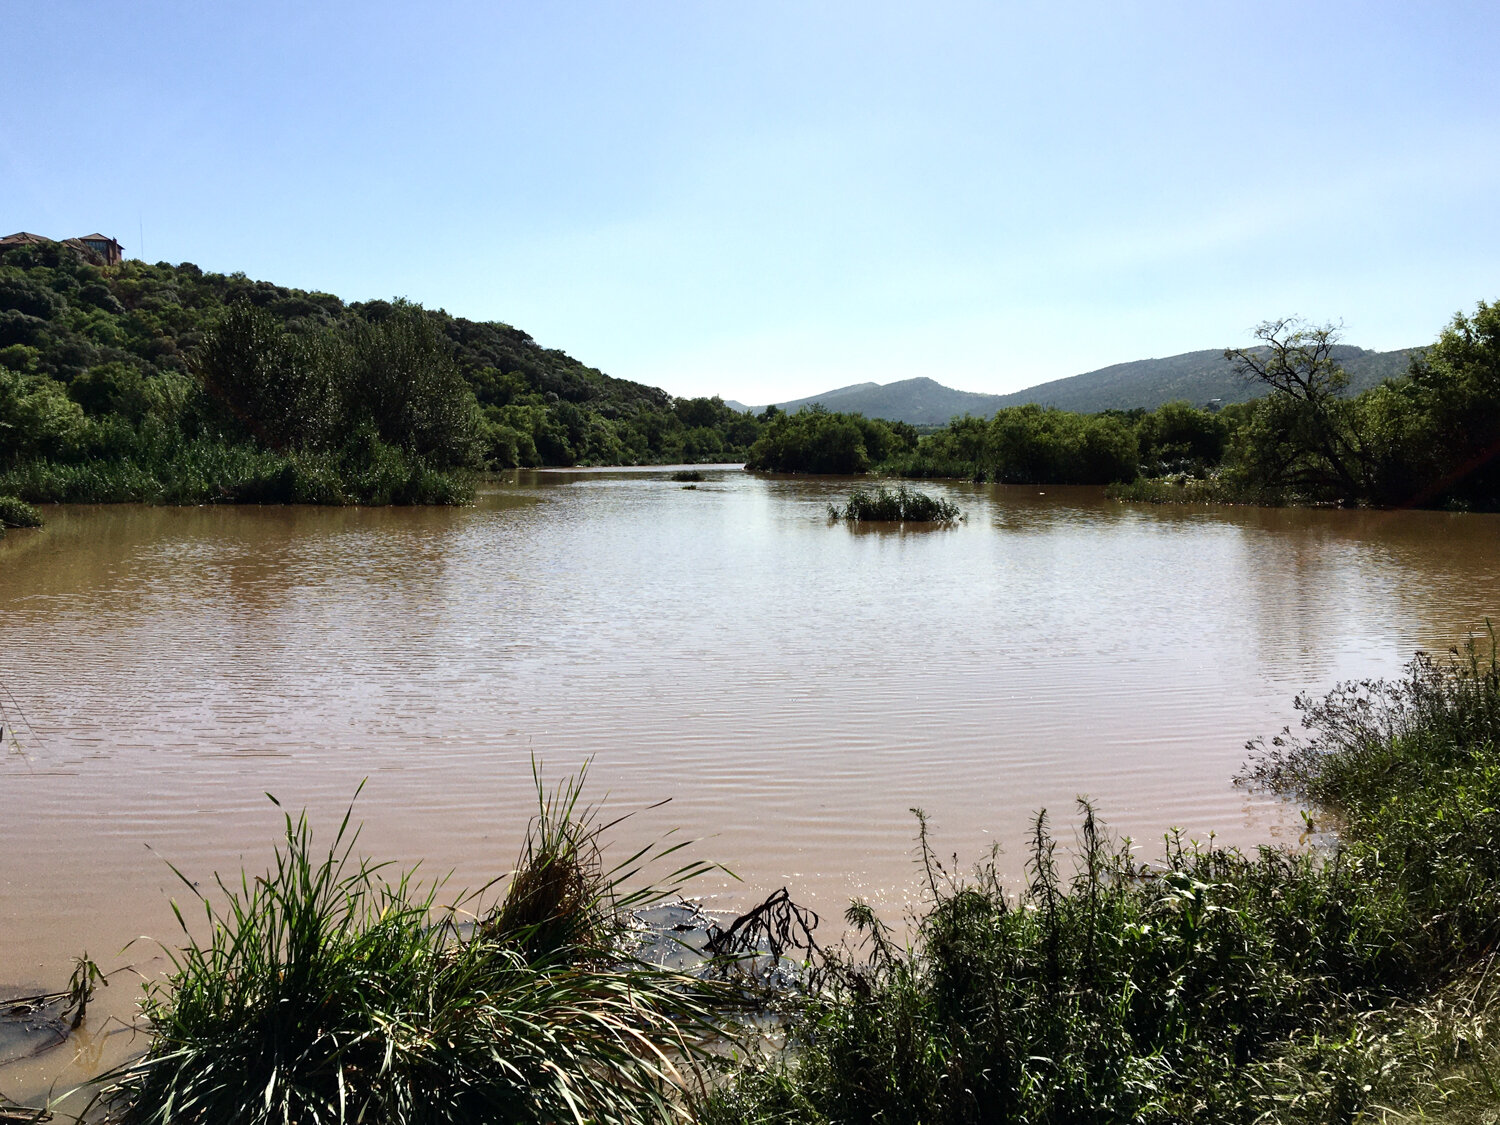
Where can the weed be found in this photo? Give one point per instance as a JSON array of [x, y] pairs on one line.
[[17, 513]]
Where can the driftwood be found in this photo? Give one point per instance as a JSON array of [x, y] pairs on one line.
[[771, 929]]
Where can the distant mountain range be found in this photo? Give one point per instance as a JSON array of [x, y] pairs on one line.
[[1195, 377]]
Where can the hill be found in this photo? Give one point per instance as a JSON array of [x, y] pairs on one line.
[[1196, 377], [104, 378]]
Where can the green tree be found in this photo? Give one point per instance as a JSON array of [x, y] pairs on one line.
[[1177, 437], [1445, 418], [399, 375], [270, 386], [37, 419], [1304, 436]]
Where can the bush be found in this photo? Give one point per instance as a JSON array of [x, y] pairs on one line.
[[893, 505], [816, 441], [17, 513]]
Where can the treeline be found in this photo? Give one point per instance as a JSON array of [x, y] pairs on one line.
[[1018, 445], [1430, 438], [172, 384]]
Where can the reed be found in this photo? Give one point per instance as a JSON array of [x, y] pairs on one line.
[[214, 472], [333, 989], [900, 504]]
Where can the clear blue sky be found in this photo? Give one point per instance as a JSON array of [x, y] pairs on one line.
[[767, 200]]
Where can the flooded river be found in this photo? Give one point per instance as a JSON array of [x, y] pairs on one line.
[[793, 686]]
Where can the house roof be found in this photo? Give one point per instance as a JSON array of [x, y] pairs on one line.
[[22, 237], [95, 238]]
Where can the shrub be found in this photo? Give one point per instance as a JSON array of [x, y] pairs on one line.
[[18, 513], [893, 505]]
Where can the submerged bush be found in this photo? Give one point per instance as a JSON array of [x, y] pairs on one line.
[[327, 990], [17, 513], [899, 504]]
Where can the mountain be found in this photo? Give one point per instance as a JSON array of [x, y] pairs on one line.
[[1195, 377]]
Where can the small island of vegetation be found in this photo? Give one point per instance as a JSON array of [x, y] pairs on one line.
[[895, 505]]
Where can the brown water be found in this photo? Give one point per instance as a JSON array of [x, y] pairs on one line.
[[794, 686]]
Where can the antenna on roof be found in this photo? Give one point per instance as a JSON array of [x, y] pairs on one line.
[[140, 226]]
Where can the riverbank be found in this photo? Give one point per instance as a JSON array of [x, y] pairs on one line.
[[1209, 984], [1205, 984]]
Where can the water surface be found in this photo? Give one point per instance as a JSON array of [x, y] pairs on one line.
[[794, 686]]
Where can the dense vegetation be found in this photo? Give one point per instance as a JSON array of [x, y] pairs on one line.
[[1211, 985], [814, 440], [171, 384], [1430, 438]]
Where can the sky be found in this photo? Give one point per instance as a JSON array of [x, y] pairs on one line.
[[769, 200]]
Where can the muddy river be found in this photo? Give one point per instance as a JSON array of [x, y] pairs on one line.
[[793, 686]]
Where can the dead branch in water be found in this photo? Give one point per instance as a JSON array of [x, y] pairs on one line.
[[770, 929]]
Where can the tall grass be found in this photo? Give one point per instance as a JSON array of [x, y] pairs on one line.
[[895, 505], [1214, 985], [331, 989], [213, 472]]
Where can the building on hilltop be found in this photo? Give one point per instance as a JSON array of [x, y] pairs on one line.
[[97, 248]]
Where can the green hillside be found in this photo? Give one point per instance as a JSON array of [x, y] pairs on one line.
[[1195, 377], [174, 384]]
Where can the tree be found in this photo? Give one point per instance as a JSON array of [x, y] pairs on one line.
[[1304, 436], [1453, 418]]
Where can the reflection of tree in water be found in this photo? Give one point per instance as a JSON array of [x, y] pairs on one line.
[[1323, 581]]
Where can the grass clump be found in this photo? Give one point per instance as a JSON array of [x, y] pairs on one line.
[[1180, 488], [1215, 985], [329, 991], [15, 512], [687, 475], [900, 504]]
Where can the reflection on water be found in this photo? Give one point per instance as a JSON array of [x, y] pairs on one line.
[[795, 686]]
